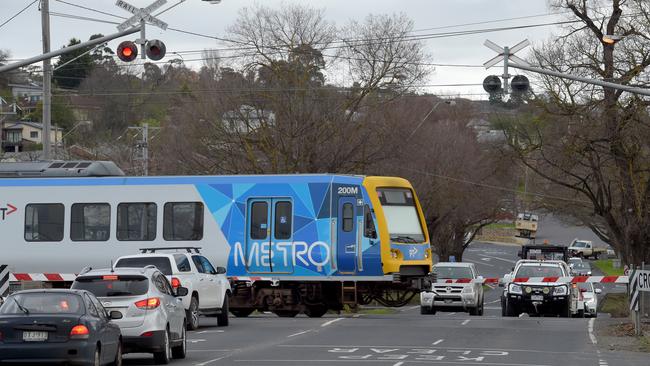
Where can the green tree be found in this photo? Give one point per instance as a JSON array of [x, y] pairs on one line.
[[73, 67]]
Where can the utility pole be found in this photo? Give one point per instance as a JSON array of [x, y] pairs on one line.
[[47, 79], [143, 144]]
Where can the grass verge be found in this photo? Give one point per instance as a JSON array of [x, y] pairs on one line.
[[607, 266], [616, 305]]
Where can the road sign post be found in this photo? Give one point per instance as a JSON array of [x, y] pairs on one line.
[[505, 54], [639, 282], [4, 280]]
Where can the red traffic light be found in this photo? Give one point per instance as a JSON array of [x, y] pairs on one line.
[[127, 51], [155, 49]]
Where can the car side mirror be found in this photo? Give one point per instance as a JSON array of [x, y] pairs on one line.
[[599, 291], [221, 270], [181, 291], [115, 315]]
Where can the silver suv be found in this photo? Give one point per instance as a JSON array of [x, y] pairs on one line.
[[207, 285], [464, 293], [153, 317]]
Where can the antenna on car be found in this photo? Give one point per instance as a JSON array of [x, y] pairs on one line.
[[86, 270], [112, 269]]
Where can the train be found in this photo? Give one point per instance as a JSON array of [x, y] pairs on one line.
[[291, 243]]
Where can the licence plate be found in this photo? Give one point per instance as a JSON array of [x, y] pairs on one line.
[[34, 336], [448, 301], [537, 298]]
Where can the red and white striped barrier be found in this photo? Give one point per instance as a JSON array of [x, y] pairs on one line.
[[44, 277], [573, 279]]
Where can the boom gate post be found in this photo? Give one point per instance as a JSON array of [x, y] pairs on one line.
[[4, 280]]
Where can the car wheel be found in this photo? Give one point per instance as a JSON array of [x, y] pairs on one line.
[[424, 310], [510, 309], [118, 355], [97, 357], [180, 351], [473, 311], [481, 309], [316, 311], [164, 356], [222, 319], [192, 314], [242, 313], [432, 310]]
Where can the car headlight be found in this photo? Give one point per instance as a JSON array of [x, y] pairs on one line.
[[546, 290], [528, 289], [560, 290], [515, 289]]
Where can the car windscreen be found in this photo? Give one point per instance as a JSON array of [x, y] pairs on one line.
[[43, 303], [453, 273], [581, 265], [162, 263], [579, 244], [113, 285], [538, 271]]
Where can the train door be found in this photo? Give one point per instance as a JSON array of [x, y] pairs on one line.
[[346, 243], [269, 236]]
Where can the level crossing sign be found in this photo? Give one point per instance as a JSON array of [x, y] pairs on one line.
[[4, 279], [141, 14], [639, 282]]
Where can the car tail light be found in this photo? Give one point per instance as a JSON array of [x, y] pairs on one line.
[[0, 336], [176, 283], [79, 332], [147, 334], [110, 278], [148, 304]]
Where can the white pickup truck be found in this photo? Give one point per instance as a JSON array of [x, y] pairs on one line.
[[586, 249], [464, 296]]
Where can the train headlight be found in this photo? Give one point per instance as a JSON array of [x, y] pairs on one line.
[[395, 253], [427, 254]]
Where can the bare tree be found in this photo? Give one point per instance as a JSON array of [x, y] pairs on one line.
[[591, 143]]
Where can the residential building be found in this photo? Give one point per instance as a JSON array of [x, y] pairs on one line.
[[20, 135]]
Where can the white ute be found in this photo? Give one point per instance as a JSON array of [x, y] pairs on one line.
[[208, 287], [454, 296]]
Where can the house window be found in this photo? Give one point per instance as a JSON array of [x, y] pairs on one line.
[[33, 134]]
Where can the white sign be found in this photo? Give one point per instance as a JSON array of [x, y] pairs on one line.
[[643, 281], [141, 14]]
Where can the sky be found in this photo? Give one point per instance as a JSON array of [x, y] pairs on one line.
[[22, 35]]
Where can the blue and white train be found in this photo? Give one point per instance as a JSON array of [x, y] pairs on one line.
[[291, 243]]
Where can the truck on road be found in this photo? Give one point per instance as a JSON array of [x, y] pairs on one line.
[[526, 225], [586, 249]]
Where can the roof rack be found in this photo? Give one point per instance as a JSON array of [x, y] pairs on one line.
[[188, 249]]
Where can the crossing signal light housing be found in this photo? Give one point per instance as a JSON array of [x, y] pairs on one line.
[[520, 84], [127, 51], [155, 49], [492, 84]]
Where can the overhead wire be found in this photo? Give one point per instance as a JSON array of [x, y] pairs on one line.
[[18, 13]]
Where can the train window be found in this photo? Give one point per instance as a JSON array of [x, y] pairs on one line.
[[136, 221], [283, 218], [369, 223], [183, 221], [259, 220], [44, 222], [348, 217], [90, 222]]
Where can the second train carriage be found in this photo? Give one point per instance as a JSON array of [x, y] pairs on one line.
[[291, 243]]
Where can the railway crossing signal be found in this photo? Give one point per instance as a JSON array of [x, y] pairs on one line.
[[492, 84], [154, 49]]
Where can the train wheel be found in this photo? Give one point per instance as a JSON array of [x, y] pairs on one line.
[[286, 313], [316, 311]]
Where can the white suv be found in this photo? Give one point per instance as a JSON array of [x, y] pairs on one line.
[[463, 295], [208, 288]]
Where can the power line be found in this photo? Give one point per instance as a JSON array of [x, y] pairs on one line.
[[18, 13]]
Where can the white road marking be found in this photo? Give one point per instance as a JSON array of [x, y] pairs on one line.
[[412, 361], [196, 340], [497, 258], [479, 262], [331, 321], [210, 331], [437, 342], [299, 333], [356, 315], [452, 313], [399, 363], [449, 348], [465, 322], [591, 331], [211, 361]]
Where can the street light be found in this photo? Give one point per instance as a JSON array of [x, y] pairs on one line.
[[612, 38]]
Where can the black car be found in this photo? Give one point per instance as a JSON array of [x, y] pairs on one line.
[[58, 326]]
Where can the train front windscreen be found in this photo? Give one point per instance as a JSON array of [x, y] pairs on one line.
[[401, 214]]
